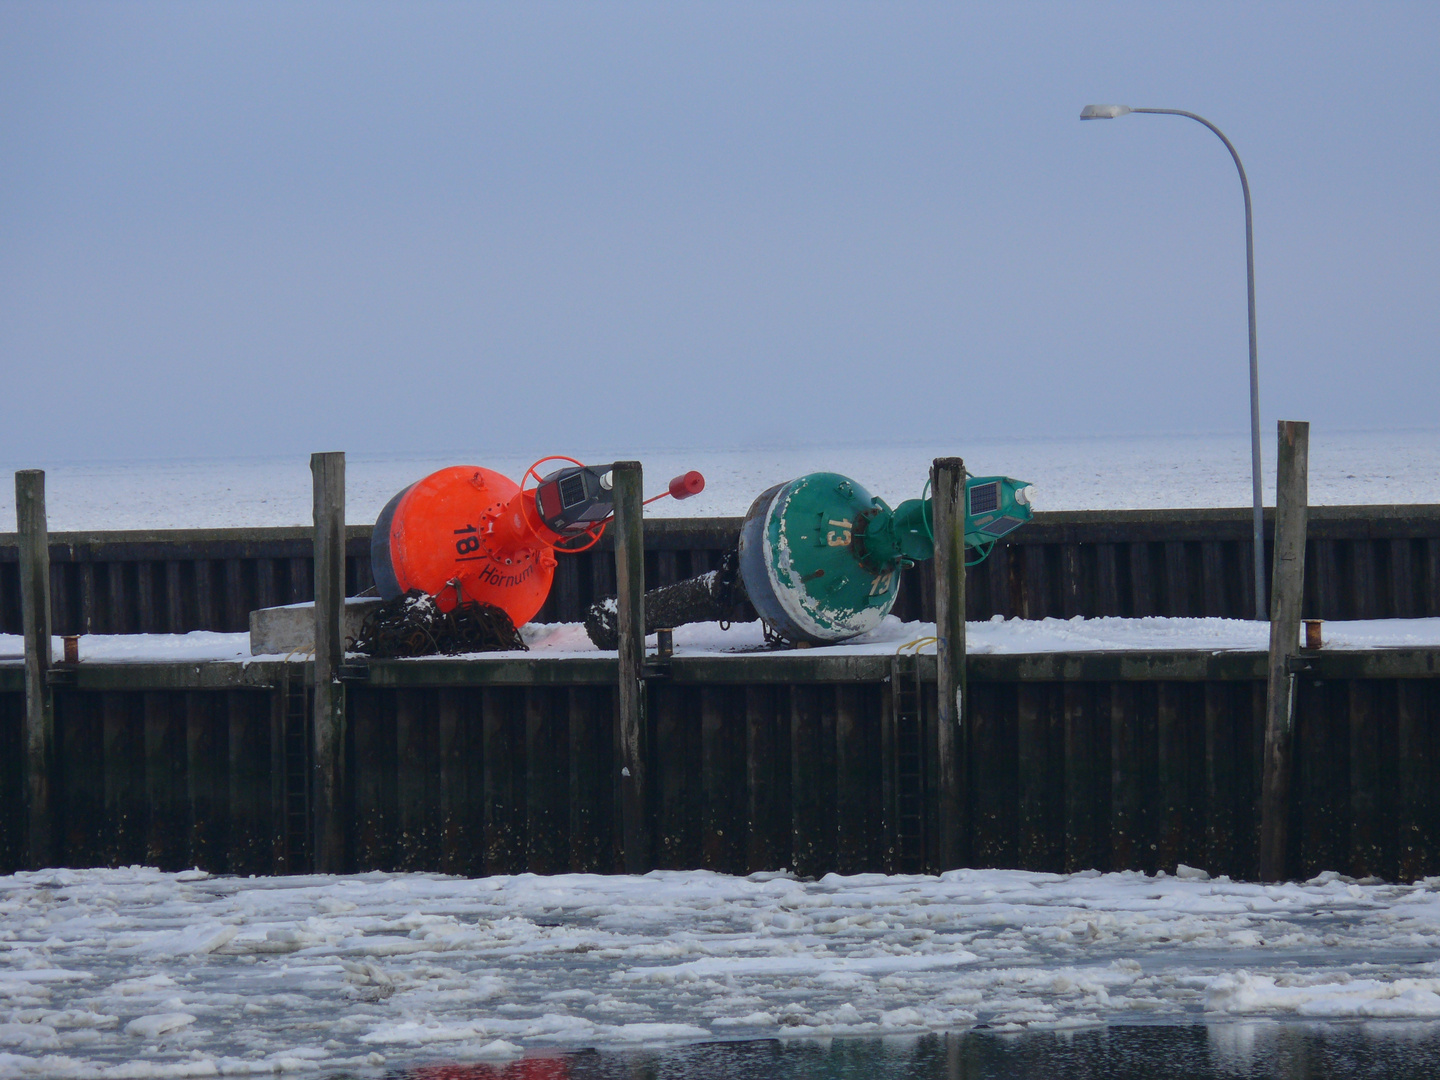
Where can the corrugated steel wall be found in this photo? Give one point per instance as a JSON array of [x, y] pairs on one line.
[[817, 777]]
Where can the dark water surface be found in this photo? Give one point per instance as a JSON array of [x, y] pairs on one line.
[[1258, 1051]]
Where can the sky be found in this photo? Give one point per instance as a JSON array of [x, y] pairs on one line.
[[237, 230]]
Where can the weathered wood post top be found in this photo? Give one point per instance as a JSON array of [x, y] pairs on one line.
[[1291, 507], [328, 739], [34, 537], [629, 486], [947, 486]]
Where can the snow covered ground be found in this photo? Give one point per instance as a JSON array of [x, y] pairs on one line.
[[1014, 636], [134, 972], [196, 646], [999, 635], [1068, 474]]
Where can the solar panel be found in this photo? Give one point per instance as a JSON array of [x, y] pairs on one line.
[[572, 490], [1002, 525], [984, 498]]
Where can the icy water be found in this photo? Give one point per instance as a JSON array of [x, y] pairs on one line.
[[137, 973], [1069, 474], [1197, 1052]]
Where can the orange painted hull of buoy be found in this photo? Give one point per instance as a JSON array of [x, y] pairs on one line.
[[466, 533]]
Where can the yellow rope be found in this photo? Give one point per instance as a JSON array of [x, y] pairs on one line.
[[917, 644]]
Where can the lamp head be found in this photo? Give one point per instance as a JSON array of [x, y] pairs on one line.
[[1103, 112]]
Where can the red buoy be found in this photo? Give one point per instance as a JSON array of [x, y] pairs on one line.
[[466, 533], [469, 533]]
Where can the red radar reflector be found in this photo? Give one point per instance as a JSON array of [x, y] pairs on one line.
[[690, 483]]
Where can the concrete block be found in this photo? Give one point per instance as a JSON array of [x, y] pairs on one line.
[[291, 629]]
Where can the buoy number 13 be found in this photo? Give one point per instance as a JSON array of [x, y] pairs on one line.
[[841, 538]]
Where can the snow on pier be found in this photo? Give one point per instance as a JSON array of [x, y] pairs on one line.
[[995, 637]]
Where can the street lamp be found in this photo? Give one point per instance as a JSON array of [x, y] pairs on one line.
[[1110, 112]]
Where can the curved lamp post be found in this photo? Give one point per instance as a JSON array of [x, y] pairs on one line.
[[1110, 112]]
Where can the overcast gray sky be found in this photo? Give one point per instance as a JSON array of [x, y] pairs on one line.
[[247, 228]]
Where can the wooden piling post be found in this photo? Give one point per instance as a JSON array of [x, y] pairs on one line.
[[1291, 507], [34, 540], [947, 486], [630, 600], [328, 735]]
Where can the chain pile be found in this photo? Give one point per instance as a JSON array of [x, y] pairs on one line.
[[718, 596], [414, 625]]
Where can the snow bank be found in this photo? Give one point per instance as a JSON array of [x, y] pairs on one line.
[[998, 636], [151, 974], [1015, 636], [198, 646]]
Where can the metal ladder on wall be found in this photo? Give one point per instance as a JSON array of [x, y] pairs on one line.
[[295, 774], [909, 779]]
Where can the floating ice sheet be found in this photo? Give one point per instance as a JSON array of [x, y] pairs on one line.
[[149, 973], [1101, 473]]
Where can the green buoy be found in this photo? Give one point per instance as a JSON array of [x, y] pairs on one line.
[[821, 557]]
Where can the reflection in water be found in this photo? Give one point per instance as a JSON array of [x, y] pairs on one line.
[[534, 1068], [1252, 1051]]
